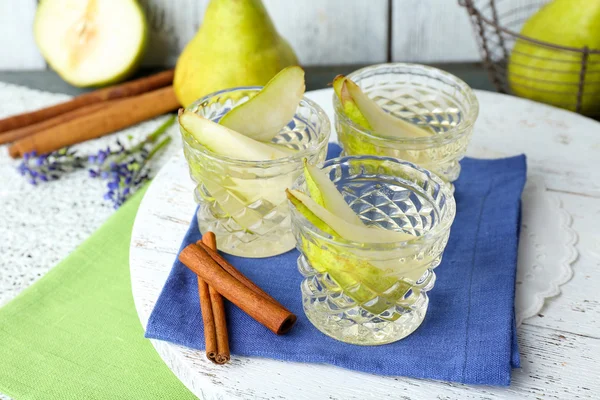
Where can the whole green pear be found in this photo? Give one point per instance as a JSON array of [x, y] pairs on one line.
[[552, 76], [236, 45]]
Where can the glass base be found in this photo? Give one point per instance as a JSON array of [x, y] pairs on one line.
[[448, 171], [244, 244], [334, 313], [346, 327]]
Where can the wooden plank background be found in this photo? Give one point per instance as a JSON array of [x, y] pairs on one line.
[[321, 31]]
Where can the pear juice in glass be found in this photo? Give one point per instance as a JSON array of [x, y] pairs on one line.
[[244, 202], [374, 293], [430, 98]]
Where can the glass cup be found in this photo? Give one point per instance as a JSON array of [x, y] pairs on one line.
[[244, 202], [365, 293], [429, 97]]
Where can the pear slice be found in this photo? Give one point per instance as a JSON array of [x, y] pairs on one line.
[[324, 192], [381, 121], [348, 104], [282, 148], [358, 278], [264, 115], [224, 141], [92, 42], [336, 226], [233, 203]]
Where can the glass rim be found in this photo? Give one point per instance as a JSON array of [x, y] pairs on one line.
[[324, 133], [437, 139], [438, 230]]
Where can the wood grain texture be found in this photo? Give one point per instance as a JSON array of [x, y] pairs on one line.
[[431, 31], [333, 31], [321, 32], [560, 349], [440, 30], [17, 47], [172, 24]]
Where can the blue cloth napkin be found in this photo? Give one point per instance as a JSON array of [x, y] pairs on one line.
[[468, 334]]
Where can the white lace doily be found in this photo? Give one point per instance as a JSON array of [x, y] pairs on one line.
[[546, 249]]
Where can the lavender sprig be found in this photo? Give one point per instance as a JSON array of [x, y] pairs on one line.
[[128, 169], [50, 167]]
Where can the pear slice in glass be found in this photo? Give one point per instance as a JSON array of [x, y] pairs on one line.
[[227, 142], [334, 225], [280, 147], [324, 192], [264, 115], [358, 278], [348, 104], [382, 122], [234, 194]]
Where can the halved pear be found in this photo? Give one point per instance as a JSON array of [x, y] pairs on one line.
[[224, 141], [381, 122], [324, 192], [332, 224], [348, 104], [264, 115], [91, 42]]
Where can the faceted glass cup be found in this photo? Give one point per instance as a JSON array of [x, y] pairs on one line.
[[365, 293], [426, 96], [244, 202]]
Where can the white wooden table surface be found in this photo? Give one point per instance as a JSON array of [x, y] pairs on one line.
[[560, 348]]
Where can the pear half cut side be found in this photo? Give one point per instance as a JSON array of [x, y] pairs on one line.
[[334, 225], [382, 122], [324, 192], [226, 142], [264, 115], [91, 43]]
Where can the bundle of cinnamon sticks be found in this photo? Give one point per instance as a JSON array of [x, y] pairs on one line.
[[89, 115], [217, 278]]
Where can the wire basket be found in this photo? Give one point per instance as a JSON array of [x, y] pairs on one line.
[[566, 77]]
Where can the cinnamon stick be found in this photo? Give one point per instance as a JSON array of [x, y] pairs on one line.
[[15, 134], [235, 273], [208, 319], [222, 355], [123, 90], [270, 314], [118, 114]]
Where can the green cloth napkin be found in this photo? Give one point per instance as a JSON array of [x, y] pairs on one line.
[[75, 334]]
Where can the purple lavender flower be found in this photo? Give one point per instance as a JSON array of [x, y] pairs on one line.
[[125, 169], [49, 167]]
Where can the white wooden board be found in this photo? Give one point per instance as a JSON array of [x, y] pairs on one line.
[[560, 349]]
